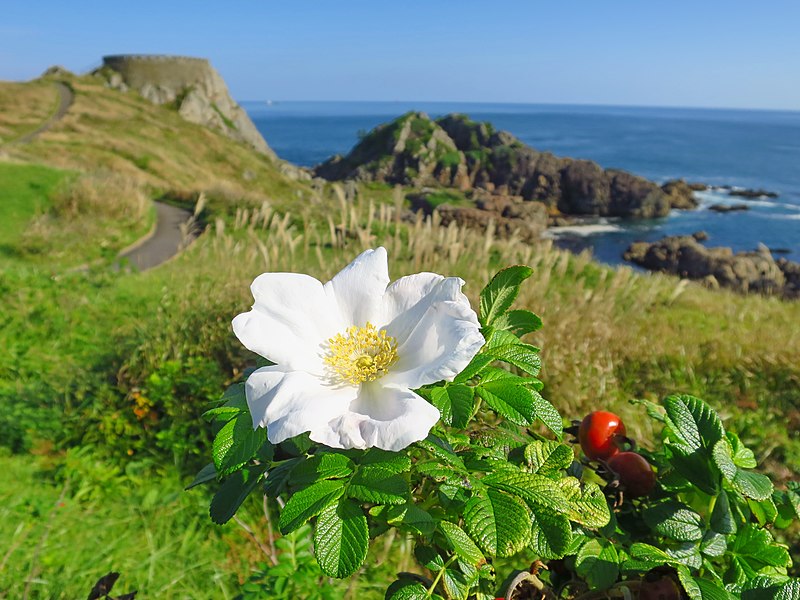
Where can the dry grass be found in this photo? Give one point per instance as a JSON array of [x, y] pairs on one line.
[[25, 106]]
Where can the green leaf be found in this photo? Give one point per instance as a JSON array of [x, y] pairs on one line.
[[535, 490], [695, 466], [474, 368], [407, 589], [442, 450], [547, 458], [551, 533], [397, 462], [686, 553], [462, 544], [644, 557], [742, 456], [206, 474], [409, 516], [341, 539], [522, 356], [455, 404], [722, 520], [713, 544], [455, 584], [547, 414], [514, 402], [278, 476], [694, 422], [763, 588], [498, 296], [598, 563], [586, 503], [758, 548], [232, 493], [378, 485], [327, 465], [711, 591], [675, 521], [309, 502], [749, 484], [688, 582], [498, 522], [519, 322], [236, 443]]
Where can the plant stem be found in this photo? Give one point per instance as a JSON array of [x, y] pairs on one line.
[[439, 575]]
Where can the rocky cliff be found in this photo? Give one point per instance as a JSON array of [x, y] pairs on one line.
[[191, 85], [454, 151], [747, 272]]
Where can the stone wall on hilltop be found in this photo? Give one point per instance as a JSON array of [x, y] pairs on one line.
[[195, 88]]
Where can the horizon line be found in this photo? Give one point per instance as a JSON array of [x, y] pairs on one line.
[[521, 103]]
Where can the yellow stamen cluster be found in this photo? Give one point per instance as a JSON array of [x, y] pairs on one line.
[[361, 354]]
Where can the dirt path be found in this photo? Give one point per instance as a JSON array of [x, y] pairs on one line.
[[65, 98], [173, 232]]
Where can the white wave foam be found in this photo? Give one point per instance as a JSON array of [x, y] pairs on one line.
[[581, 230]]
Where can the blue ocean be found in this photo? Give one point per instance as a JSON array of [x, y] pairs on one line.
[[740, 148]]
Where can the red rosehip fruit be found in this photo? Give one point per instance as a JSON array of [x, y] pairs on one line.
[[660, 585], [634, 472], [597, 434]]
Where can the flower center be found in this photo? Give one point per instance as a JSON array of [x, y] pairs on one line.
[[361, 354]]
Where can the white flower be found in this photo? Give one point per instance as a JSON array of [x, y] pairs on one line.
[[348, 353]]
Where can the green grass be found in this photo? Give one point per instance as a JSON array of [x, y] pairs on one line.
[[25, 191]]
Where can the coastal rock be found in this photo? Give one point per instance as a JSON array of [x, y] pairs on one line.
[[191, 85], [454, 151], [475, 218], [726, 208], [681, 194], [57, 71], [751, 194], [746, 272]]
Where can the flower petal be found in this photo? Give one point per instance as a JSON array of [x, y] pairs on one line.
[[359, 287], [292, 316], [437, 336], [291, 403], [385, 417]]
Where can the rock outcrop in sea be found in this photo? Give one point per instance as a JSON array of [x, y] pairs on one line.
[[456, 152], [746, 272], [191, 85]]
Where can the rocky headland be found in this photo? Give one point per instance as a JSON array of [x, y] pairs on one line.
[[500, 177], [191, 85], [746, 272]]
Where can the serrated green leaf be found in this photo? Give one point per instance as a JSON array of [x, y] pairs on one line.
[[675, 521], [327, 465], [498, 296], [442, 450], [547, 414], [410, 516], [378, 485], [749, 484], [232, 493], [278, 476], [711, 591], [695, 466], [686, 553], [534, 489], [546, 457], [694, 422], [462, 544], [586, 503], [644, 557], [688, 583], [713, 544], [743, 457], [722, 520], [309, 502], [551, 533], [500, 523], [206, 474], [407, 589], [455, 584], [519, 322], [341, 539], [455, 404], [236, 443], [523, 356], [397, 462], [474, 368], [598, 563], [763, 588], [514, 402], [757, 547], [765, 511], [444, 474]]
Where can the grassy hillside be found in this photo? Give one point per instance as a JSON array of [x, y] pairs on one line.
[[104, 374]]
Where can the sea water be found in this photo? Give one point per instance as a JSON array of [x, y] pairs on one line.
[[741, 148]]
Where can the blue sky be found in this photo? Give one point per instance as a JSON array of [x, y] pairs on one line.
[[708, 53]]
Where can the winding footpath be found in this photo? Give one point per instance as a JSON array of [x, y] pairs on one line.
[[173, 229]]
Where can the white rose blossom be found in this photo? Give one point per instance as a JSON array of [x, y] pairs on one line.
[[349, 353]]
